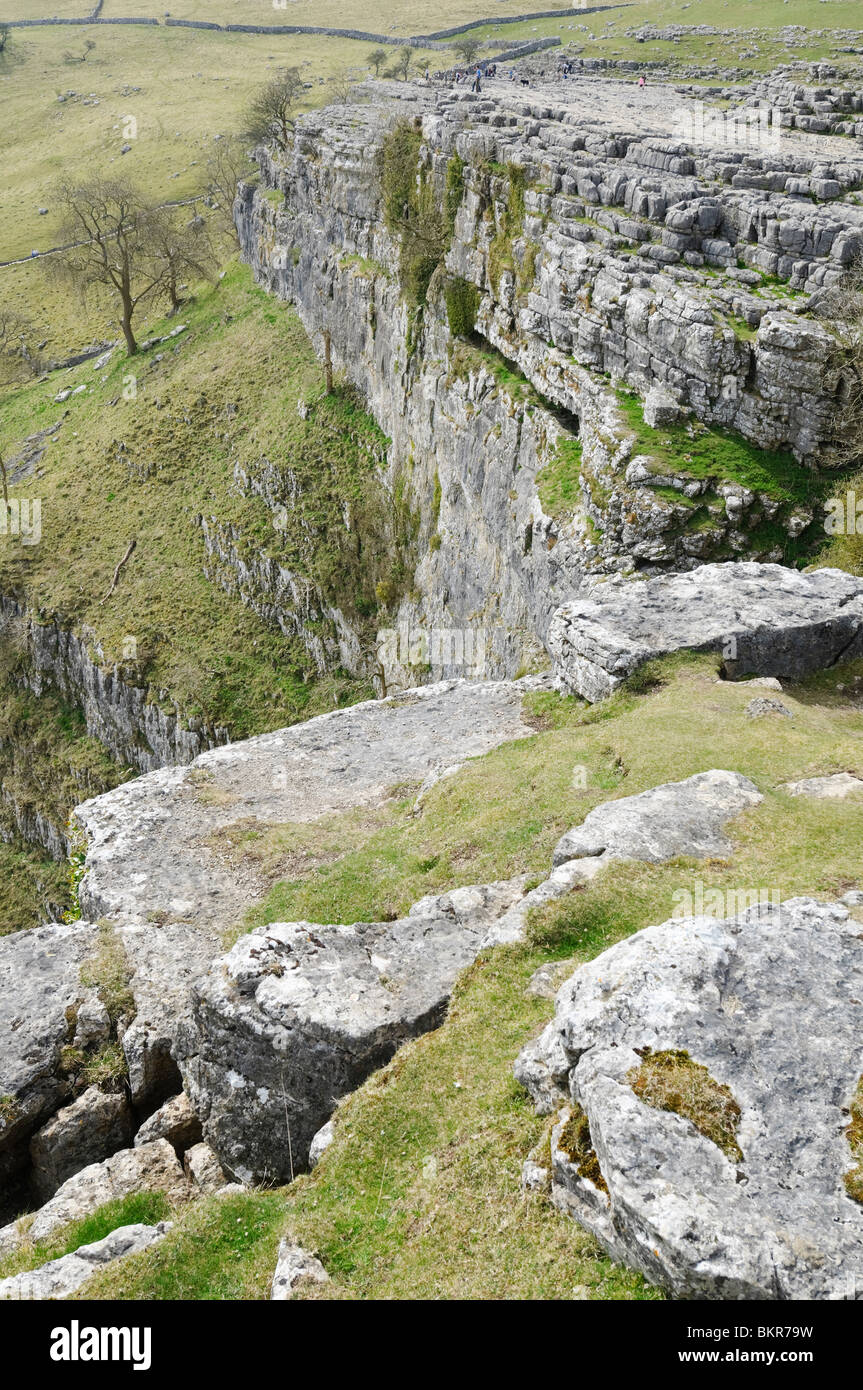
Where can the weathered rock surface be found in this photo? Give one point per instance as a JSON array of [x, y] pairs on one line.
[[93, 1127], [152, 865], [633, 249], [321, 1142], [202, 1167], [62, 1277], [836, 787], [40, 990], [297, 1015], [294, 1266], [175, 1121], [151, 1168], [770, 1003], [775, 621], [675, 818]]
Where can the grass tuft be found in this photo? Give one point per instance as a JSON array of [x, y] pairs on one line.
[[671, 1080]]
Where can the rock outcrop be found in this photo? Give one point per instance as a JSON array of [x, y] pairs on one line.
[[298, 1014], [62, 1277], [94, 1126], [175, 1121], [730, 1182], [582, 240], [764, 619], [151, 1168], [677, 818], [153, 866], [295, 1266], [153, 870], [837, 786], [41, 1001]]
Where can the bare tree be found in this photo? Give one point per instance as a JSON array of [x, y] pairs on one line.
[[228, 161], [344, 89], [467, 49], [89, 45], [270, 115], [376, 59], [18, 352], [120, 245], [402, 63], [178, 248]]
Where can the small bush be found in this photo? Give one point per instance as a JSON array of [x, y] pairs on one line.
[[462, 306]]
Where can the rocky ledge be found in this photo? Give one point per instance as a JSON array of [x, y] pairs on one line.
[[765, 620]]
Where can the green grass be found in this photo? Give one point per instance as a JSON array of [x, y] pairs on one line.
[[48, 764], [504, 813], [148, 468], [181, 86], [379, 1212], [703, 452], [557, 482], [147, 1208], [418, 1197], [607, 37], [34, 887]]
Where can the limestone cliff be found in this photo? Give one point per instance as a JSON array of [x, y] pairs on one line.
[[577, 268]]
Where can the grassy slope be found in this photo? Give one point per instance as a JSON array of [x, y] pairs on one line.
[[418, 1196], [34, 887], [147, 468], [118, 469]]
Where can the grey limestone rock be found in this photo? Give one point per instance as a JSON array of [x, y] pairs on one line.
[[175, 1121], [297, 1015], [769, 1002], [62, 1277], [151, 1168], [837, 786], [294, 1266], [676, 818], [95, 1125], [40, 992], [776, 622], [150, 869]]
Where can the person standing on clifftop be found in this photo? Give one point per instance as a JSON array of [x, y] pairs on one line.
[[641, 82]]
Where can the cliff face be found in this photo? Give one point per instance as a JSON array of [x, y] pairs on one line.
[[590, 263]]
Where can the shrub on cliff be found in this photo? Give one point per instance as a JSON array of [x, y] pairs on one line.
[[411, 210], [462, 305]]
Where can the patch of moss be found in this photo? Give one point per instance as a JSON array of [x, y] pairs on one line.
[[106, 1068], [9, 1110], [575, 1141], [853, 1179], [454, 189], [411, 211], [671, 1080]]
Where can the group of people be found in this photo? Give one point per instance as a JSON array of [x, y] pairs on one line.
[[474, 75]]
